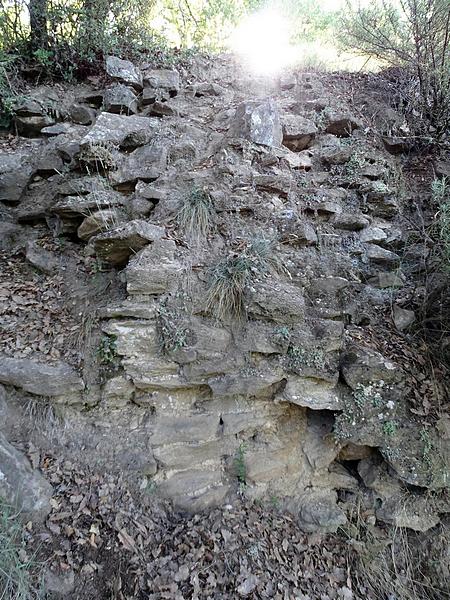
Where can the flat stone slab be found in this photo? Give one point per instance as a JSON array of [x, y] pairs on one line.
[[117, 245], [121, 130], [39, 378]]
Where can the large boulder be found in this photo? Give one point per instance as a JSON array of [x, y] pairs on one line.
[[258, 122], [116, 245], [124, 71], [42, 379], [23, 488]]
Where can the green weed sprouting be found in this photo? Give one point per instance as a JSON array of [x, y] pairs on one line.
[[107, 349]]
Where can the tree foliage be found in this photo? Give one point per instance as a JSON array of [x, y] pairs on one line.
[[412, 34]]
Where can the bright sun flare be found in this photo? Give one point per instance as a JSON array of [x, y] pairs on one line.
[[262, 40]]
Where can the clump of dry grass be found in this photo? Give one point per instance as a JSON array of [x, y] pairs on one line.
[[18, 570], [230, 277], [195, 215]]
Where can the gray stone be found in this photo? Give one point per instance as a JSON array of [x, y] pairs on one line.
[[163, 109], [397, 145], [258, 122], [58, 379], [58, 129], [116, 245], [278, 301], [340, 123], [310, 392], [281, 183], [361, 366], [208, 89], [42, 259], [381, 256], [415, 513], [255, 383], [387, 279], [121, 130], [22, 487], [165, 80], [336, 154], [153, 269], [117, 392], [298, 233], [75, 206], [120, 99], [98, 221], [32, 125], [298, 132], [12, 235], [373, 234], [349, 221], [124, 71], [318, 512], [402, 317], [145, 164], [82, 114], [15, 174]]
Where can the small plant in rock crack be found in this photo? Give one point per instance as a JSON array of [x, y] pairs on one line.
[[195, 215], [230, 277], [107, 349], [240, 468], [101, 155], [389, 428], [171, 331]]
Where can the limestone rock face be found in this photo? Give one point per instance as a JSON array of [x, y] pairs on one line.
[[258, 122], [299, 232], [22, 487]]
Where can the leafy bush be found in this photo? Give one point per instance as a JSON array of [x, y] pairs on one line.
[[413, 35]]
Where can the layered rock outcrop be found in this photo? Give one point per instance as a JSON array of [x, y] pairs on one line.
[[232, 351]]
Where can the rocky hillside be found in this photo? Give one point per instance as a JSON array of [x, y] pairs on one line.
[[210, 286]]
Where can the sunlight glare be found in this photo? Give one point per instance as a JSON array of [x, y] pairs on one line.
[[262, 41]]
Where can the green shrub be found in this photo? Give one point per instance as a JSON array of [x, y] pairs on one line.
[[413, 35]]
